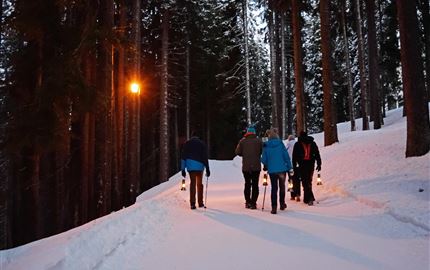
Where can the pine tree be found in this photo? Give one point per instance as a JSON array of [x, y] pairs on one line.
[[330, 128], [418, 125]]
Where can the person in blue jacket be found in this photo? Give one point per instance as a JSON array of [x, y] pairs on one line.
[[194, 159], [277, 162]]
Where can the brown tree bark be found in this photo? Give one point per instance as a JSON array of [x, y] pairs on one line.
[[363, 87], [417, 113], [348, 67], [273, 69], [298, 68], [164, 110], [373, 65], [103, 113], [330, 128]]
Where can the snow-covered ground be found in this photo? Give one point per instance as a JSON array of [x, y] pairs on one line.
[[373, 212]]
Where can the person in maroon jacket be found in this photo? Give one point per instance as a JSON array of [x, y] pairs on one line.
[[305, 154], [250, 148]]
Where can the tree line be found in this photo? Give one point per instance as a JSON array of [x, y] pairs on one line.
[[77, 144]]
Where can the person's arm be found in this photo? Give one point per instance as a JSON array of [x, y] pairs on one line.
[[317, 156], [286, 158], [238, 150], [264, 159], [206, 160]]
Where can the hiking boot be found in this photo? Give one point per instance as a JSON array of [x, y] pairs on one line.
[[253, 206], [283, 206], [193, 207], [201, 205], [311, 203], [298, 199], [273, 211], [247, 205]]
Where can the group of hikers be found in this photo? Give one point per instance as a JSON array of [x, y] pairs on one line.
[[297, 159]]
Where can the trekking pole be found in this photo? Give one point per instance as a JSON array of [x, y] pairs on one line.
[[265, 186], [206, 196]]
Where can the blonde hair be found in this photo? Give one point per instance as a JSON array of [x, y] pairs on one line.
[[272, 133]]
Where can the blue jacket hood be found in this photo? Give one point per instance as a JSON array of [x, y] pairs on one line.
[[275, 156], [273, 143]]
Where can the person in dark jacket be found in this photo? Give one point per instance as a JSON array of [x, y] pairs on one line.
[[277, 162], [305, 154], [250, 148], [194, 159]]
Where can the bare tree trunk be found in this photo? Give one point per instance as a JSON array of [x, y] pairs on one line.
[[187, 95], [363, 87], [298, 69], [245, 36], [273, 69], [121, 93], [104, 114], [330, 128], [137, 41], [164, 112], [348, 68], [418, 125], [373, 65], [283, 74]]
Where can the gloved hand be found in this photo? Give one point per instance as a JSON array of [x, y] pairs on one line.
[[318, 167], [291, 172], [208, 172], [265, 168], [183, 173]]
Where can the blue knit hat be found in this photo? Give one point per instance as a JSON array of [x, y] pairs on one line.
[[251, 129]]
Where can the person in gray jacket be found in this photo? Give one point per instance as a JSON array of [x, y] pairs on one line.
[[250, 148]]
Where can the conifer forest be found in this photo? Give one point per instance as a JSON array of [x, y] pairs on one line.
[[97, 97]]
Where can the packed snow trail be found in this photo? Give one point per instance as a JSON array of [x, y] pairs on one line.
[[370, 215]]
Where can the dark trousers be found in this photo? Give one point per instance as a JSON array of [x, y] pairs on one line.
[[296, 186], [196, 178], [306, 174], [251, 186], [277, 180]]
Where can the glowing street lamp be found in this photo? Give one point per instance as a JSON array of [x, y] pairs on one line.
[[135, 88]]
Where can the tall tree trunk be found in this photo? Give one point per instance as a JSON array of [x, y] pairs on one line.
[[348, 68], [330, 128], [245, 36], [373, 65], [363, 88], [121, 92], [137, 41], [273, 69], [91, 76], [188, 89], [298, 68], [417, 112], [104, 114], [283, 74], [164, 112]]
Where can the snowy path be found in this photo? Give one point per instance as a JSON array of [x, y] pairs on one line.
[[370, 215]]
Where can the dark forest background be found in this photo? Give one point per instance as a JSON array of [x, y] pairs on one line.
[[77, 144]]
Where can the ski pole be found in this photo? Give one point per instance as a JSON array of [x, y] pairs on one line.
[[206, 196]]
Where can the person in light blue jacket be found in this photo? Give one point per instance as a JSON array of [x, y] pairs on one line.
[[277, 162]]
